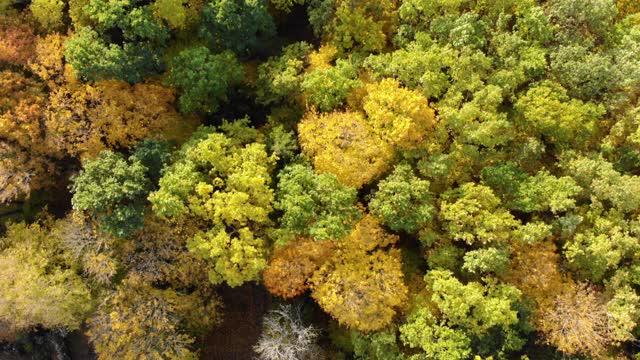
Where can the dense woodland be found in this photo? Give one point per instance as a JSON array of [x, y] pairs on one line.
[[408, 179]]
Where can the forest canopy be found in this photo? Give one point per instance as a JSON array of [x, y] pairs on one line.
[[389, 179]]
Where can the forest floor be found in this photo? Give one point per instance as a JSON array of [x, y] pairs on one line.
[[243, 309]]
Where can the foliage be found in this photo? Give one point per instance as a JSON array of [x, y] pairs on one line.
[[227, 187], [403, 201], [291, 267], [204, 78], [40, 284], [342, 143], [238, 25], [361, 290], [137, 321], [114, 190], [315, 205]]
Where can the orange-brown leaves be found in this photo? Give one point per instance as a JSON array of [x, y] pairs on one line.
[[17, 42], [87, 119], [290, 267], [25, 158], [577, 322]]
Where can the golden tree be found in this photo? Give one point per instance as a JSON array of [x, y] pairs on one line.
[[343, 144], [399, 116]]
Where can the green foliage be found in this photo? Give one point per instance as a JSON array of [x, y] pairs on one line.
[[112, 189], [238, 25], [403, 201], [315, 205], [328, 88], [49, 13], [472, 214], [203, 78], [94, 59], [438, 342], [486, 260], [280, 78], [549, 111], [226, 186]]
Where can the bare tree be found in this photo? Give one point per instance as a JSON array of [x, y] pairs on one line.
[[285, 337]]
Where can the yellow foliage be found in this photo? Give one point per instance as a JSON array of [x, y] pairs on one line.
[[368, 235], [48, 63], [399, 116], [361, 290], [343, 144], [322, 58]]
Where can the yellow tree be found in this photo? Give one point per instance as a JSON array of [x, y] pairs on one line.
[[400, 116], [343, 144], [86, 119], [362, 286]]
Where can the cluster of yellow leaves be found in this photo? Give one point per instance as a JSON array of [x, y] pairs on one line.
[[343, 144], [25, 158], [140, 322], [400, 116], [361, 290], [358, 148], [362, 285]]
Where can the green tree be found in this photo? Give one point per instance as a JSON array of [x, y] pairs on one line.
[[327, 88], [403, 201], [226, 186], [238, 25], [315, 205], [113, 190], [547, 110], [203, 78]]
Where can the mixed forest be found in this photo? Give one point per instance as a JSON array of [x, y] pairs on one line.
[[405, 179]]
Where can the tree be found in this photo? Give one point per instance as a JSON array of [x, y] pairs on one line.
[[354, 30], [285, 336], [547, 110], [113, 190], [40, 286], [226, 186], [327, 88], [238, 25], [403, 201], [49, 13], [49, 62], [93, 58], [158, 254], [280, 78], [27, 162], [315, 205], [342, 143], [577, 322], [291, 267], [472, 213], [361, 290], [203, 78], [85, 119], [399, 116], [140, 322], [17, 41], [437, 341]]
